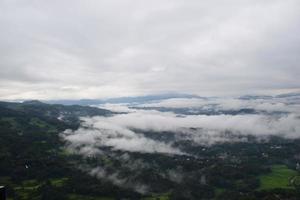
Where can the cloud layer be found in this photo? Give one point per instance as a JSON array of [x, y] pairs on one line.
[[119, 143], [128, 131], [99, 133], [91, 49]]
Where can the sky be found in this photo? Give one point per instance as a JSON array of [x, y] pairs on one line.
[[59, 49]]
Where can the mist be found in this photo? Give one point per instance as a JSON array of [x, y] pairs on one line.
[[271, 117]]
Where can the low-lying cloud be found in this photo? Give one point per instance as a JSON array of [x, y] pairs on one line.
[[125, 132], [96, 133], [260, 104], [244, 124], [145, 129]]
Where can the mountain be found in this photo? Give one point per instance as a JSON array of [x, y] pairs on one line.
[[284, 95], [252, 97], [67, 113], [295, 94], [33, 161], [157, 98], [37, 163], [137, 99]]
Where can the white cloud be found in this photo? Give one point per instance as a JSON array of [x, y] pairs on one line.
[[125, 131], [243, 124], [98, 133], [269, 105]]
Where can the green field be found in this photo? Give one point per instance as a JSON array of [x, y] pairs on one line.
[[280, 177]]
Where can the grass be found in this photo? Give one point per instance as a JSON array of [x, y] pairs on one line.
[[280, 177]]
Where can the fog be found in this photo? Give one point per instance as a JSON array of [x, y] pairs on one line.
[[272, 116], [143, 129]]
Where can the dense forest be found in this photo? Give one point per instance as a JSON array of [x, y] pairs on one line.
[[35, 163]]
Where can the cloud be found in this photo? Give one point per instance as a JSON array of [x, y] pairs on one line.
[[243, 124], [126, 132], [97, 133], [99, 49], [116, 140], [115, 178], [269, 105]]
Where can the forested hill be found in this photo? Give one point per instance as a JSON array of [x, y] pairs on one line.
[[33, 163], [51, 111], [36, 163]]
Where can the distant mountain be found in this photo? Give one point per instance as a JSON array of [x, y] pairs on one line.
[[150, 98], [285, 95], [33, 102], [83, 102], [136, 99], [295, 94], [251, 97]]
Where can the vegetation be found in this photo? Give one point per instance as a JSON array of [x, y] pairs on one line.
[[34, 164], [279, 177]]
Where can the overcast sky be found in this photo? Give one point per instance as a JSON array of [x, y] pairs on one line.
[[59, 49]]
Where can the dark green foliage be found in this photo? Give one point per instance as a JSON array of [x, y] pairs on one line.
[[30, 149], [34, 165]]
